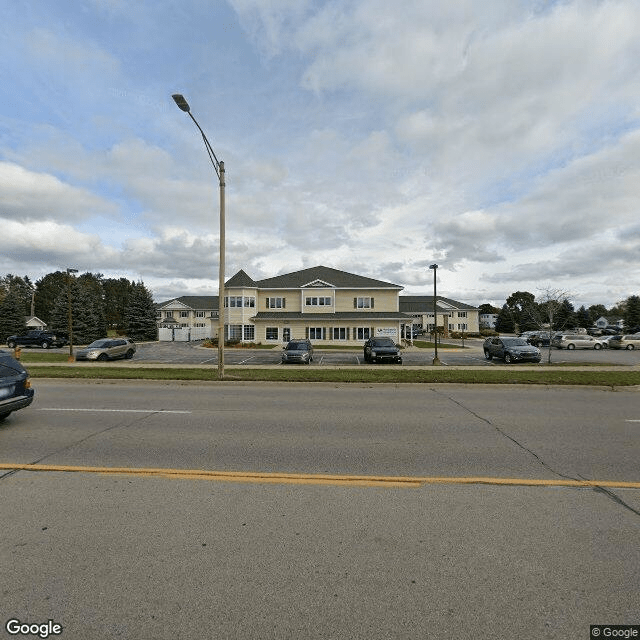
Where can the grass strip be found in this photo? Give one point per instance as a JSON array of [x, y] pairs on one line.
[[422, 376]]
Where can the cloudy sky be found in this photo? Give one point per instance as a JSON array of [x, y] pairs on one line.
[[500, 139]]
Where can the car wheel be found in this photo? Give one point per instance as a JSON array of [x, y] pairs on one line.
[[597, 346], [487, 355], [571, 347], [129, 354], [45, 344], [11, 344], [103, 357], [630, 347], [507, 358]]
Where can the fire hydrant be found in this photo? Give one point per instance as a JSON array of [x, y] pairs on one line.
[[16, 352]]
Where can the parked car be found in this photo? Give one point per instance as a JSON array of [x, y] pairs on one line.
[[511, 350], [38, 338], [539, 338], [15, 386], [628, 341], [107, 349], [605, 341], [576, 341], [298, 351], [381, 350]]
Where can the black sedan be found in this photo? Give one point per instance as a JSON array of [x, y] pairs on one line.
[[511, 350], [15, 386]]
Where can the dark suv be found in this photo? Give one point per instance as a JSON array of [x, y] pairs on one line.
[[511, 350], [37, 338], [298, 351], [15, 386], [381, 350]]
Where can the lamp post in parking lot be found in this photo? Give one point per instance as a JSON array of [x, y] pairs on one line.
[[436, 360], [69, 272], [219, 169]]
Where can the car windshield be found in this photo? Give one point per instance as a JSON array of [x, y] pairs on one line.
[[297, 346], [98, 344], [515, 342], [384, 342]]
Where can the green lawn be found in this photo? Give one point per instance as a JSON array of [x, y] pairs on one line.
[[544, 376]]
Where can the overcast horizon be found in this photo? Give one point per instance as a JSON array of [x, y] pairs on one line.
[[500, 140]]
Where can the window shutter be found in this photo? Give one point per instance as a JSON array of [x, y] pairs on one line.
[[306, 333], [330, 333], [355, 303], [372, 303], [284, 303]]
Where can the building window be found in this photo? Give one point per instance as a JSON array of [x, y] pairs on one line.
[[184, 314], [272, 333], [315, 301], [200, 324], [249, 332], [340, 333], [276, 303], [363, 333], [168, 314], [317, 333], [462, 327], [184, 325], [462, 314], [234, 332], [199, 314], [249, 301], [363, 303], [233, 301]]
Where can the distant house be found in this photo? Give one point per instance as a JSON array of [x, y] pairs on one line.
[[487, 320], [322, 304], [603, 322], [33, 322], [453, 315]]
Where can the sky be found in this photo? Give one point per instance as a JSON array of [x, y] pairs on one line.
[[498, 139]]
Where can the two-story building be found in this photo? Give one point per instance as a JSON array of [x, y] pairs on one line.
[[323, 304]]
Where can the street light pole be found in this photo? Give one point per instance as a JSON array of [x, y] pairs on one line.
[[219, 169], [69, 272], [436, 360]]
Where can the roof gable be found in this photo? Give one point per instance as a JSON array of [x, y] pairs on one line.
[[240, 280], [338, 279]]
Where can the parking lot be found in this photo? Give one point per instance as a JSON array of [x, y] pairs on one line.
[[469, 355]]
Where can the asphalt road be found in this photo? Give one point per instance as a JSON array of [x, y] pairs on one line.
[[259, 554]]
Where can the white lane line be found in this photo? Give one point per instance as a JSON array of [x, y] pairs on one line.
[[112, 410], [632, 420]]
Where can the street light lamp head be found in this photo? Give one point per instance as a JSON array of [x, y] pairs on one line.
[[433, 266], [181, 102]]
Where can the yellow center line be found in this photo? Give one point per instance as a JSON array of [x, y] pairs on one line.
[[315, 478]]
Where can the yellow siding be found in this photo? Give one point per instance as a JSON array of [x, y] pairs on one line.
[[384, 300]]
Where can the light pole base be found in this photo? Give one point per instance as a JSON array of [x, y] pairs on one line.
[[436, 362]]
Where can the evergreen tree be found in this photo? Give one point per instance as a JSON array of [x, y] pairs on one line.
[[140, 316], [583, 318], [504, 321], [565, 317], [12, 316], [116, 296], [48, 288], [632, 312]]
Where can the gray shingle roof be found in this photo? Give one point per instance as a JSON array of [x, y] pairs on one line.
[[241, 279], [333, 277], [199, 303], [417, 304]]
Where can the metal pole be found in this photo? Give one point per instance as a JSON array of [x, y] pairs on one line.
[[69, 272], [436, 360], [221, 308]]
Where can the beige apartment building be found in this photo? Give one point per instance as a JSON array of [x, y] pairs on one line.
[[322, 304]]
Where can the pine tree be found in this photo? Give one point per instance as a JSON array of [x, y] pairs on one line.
[[504, 321], [12, 318], [632, 312], [140, 315]]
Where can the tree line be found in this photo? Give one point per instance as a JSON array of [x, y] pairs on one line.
[[98, 304], [522, 311]]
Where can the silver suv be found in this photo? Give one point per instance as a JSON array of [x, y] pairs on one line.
[[576, 341], [298, 351], [107, 349]]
